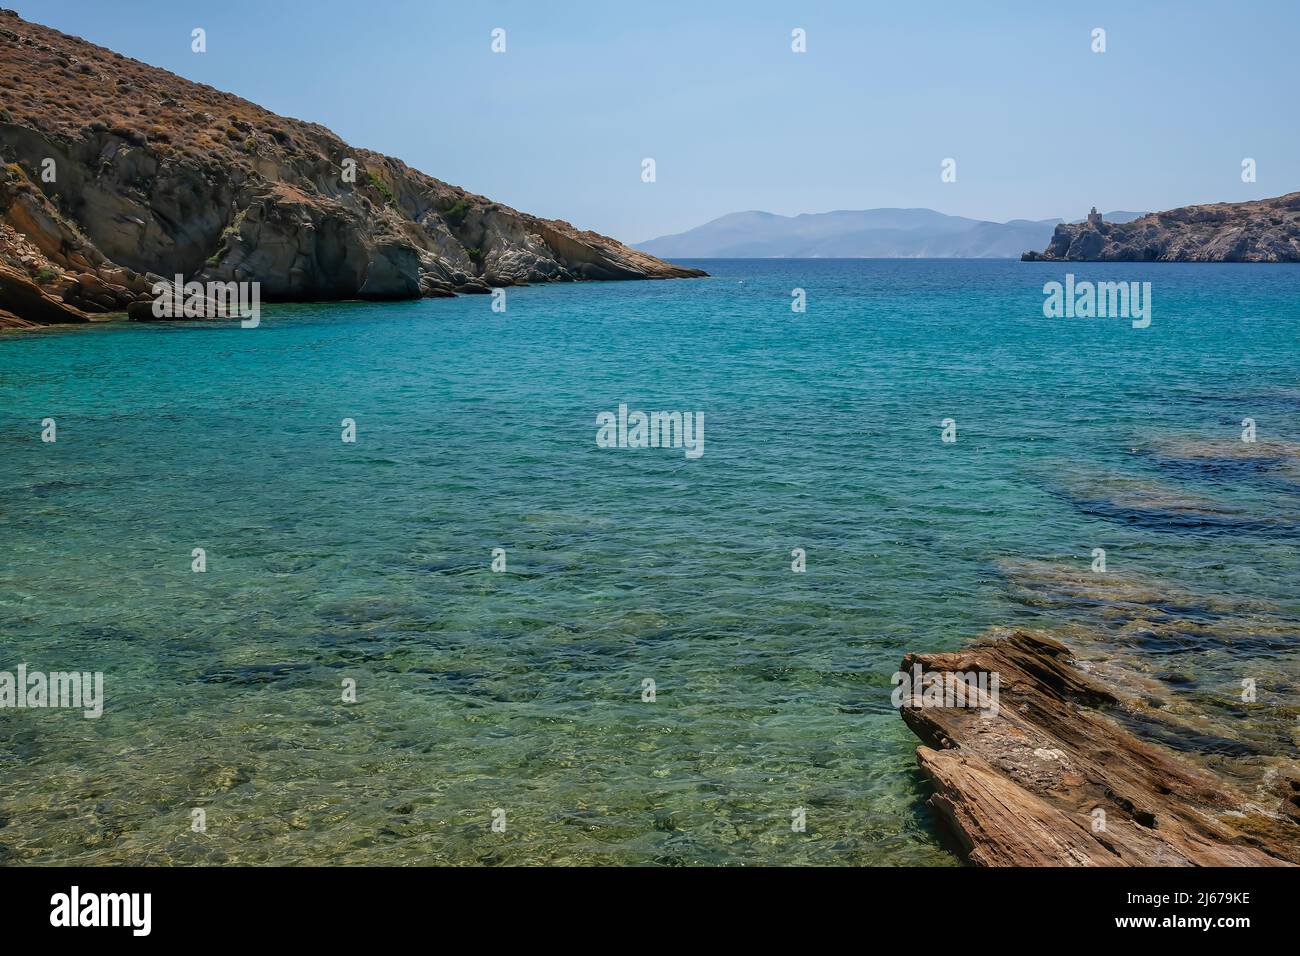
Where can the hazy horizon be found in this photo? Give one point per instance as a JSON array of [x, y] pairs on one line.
[[845, 209], [558, 124]]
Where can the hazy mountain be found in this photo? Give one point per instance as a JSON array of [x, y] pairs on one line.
[[854, 234]]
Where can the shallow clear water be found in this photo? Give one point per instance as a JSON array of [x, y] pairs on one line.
[[522, 690]]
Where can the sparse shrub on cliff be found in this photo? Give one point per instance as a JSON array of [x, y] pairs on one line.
[[475, 253], [132, 136], [382, 187], [16, 179], [224, 242], [454, 213]]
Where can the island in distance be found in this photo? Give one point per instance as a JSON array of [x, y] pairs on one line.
[[859, 234]]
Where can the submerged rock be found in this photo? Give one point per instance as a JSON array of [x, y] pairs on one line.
[[1199, 449], [1183, 653], [1163, 506], [1151, 615], [1226, 459], [1115, 594]]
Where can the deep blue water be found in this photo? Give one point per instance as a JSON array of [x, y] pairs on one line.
[[522, 691]]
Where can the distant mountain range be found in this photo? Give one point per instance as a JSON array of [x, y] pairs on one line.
[[859, 234]]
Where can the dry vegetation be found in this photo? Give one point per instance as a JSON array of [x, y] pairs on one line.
[[179, 120]]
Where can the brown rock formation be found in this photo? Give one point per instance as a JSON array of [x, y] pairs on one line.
[[28, 304], [1054, 778], [114, 173], [1266, 230]]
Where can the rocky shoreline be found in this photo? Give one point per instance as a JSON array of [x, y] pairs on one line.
[[115, 175], [1056, 777], [1130, 733], [1266, 230]]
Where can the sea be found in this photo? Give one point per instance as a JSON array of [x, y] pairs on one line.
[[480, 632]]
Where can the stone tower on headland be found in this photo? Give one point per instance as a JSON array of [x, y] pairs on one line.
[[1094, 217]]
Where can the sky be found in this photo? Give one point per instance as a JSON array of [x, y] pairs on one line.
[[558, 125]]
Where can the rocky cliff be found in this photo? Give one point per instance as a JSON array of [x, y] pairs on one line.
[[114, 173], [1267, 230]]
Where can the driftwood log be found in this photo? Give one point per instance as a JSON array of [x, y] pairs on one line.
[[1052, 778]]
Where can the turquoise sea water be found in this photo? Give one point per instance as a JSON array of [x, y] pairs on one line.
[[522, 691]]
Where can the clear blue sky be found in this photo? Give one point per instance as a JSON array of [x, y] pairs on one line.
[[1040, 126]]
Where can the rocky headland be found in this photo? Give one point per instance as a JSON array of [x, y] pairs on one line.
[[1266, 230], [115, 174]]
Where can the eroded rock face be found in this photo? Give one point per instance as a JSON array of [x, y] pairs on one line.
[[1267, 230], [116, 174], [26, 303]]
